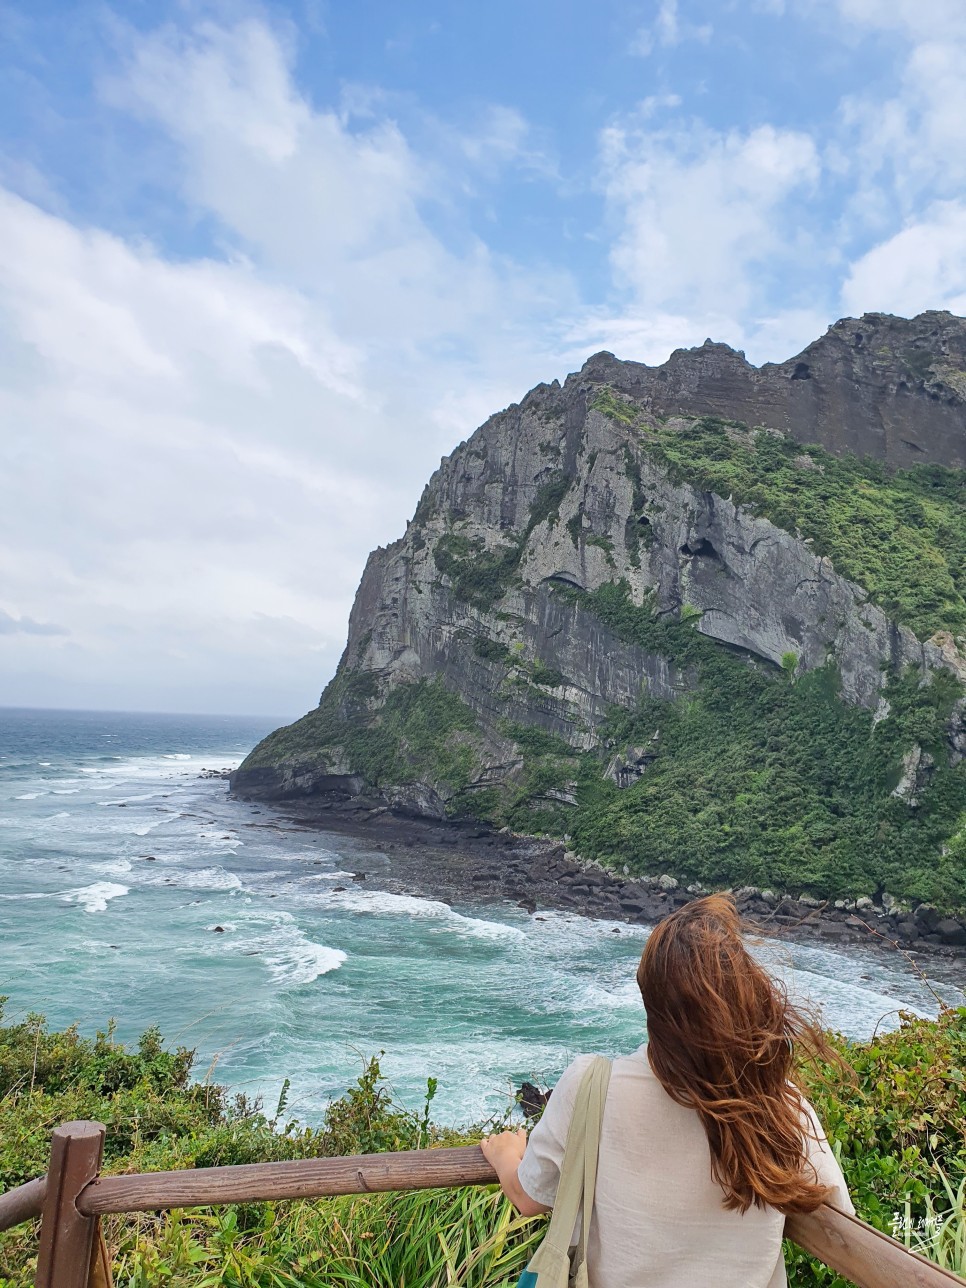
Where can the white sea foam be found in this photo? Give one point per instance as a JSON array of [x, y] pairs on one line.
[[130, 800], [89, 771], [481, 929], [94, 898], [225, 842], [148, 827], [114, 867], [302, 961], [65, 791], [198, 879], [28, 796], [177, 755], [595, 997], [45, 764], [289, 955], [381, 903]]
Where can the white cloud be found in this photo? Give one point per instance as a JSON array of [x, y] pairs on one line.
[[917, 18], [701, 214], [669, 29], [503, 137], [207, 449], [900, 149], [157, 485], [10, 624], [922, 267], [900, 140]]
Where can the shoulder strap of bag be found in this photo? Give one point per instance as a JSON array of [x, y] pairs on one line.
[[597, 1096], [579, 1161]]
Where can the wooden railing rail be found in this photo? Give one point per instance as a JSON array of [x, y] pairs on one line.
[[863, 1255], [72, 1198], [21, 1204], [309, 1178]]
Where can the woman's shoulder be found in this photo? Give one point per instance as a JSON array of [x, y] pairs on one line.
[[623, 1068], [633, 1062]]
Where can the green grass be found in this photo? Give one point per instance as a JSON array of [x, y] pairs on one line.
[[157, 1119]]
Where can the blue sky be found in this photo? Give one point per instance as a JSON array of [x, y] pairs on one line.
[[261, 265]]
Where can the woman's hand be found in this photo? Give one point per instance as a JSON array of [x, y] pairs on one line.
[[503, 1152]]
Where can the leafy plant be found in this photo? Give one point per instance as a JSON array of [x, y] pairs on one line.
[[546, 503], [490, 650]]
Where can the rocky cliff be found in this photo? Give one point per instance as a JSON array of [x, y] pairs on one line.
[[702, 617]]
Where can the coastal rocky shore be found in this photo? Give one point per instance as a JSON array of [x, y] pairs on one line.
[[452, 861]]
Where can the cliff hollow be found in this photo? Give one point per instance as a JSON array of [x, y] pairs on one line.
[[702, 618]]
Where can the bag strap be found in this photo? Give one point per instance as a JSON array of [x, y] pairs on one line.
[[579, 1163], [597, 1097]]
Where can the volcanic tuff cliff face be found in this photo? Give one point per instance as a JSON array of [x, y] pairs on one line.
[[605, 545], [878, 386]]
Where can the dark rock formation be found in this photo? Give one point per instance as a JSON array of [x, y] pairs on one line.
[[877, 386]]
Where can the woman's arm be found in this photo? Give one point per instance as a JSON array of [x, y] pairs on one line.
[[821, 1157], [504, 1152]]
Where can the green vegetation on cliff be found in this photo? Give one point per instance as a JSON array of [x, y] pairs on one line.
[[900, 534], [897, 1127], [479, 576], [756, 775], [421, 733], [762, 778]]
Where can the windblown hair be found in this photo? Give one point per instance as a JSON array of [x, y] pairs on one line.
[[721, 1040]]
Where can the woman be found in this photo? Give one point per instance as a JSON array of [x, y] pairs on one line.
[[705, 1143]]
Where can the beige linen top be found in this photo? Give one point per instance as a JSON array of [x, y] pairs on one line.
[[659, 1220]]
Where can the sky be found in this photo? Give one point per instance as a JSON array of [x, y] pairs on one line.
[[263, 264]]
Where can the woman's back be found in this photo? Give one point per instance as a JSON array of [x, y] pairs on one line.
[[705, 1138], [659, 1219]]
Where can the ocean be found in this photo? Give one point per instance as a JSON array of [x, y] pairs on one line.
[[132, 889]]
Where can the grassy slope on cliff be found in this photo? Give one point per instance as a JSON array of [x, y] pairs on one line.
[[760, 777], [894, 1127], [899, 534], [422, 732]]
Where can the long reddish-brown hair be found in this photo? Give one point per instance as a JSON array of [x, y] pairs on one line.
[[721, 1040]]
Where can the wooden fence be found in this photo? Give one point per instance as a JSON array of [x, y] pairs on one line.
[[72, 1197]]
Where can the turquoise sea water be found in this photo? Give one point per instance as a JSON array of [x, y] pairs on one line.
[[117, 862]]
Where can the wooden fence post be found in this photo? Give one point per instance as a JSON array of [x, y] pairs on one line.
[[66, 1235]]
